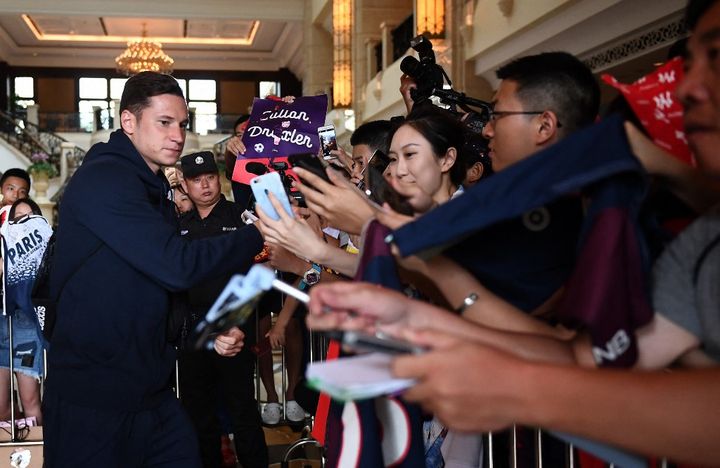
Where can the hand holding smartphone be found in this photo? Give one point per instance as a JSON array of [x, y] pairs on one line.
[[266, 184], [328, 141], [310, 162], [379, 190]]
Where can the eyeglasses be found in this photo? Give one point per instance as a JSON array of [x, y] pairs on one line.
[[494, 115]]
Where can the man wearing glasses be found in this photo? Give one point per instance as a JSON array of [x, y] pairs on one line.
[[541, 99]]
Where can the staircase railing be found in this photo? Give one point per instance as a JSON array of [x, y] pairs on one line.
[[28, 138], [15, 132]]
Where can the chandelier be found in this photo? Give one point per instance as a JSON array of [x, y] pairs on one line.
[[143, 55]]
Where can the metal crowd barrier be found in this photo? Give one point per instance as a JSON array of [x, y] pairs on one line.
[[612, 456], [15, 440], [317, 346]]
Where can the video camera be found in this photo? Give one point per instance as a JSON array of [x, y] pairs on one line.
[[280, 167], [430, 80]]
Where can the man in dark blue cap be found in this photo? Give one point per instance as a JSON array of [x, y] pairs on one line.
[[205, 375]]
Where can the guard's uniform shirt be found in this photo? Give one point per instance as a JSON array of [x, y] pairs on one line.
[[224, 218], [205, 374]]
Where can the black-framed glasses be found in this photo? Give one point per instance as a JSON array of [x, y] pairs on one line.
[[494, 115]]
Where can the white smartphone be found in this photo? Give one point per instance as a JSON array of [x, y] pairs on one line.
[[328, 141], [270, 183]]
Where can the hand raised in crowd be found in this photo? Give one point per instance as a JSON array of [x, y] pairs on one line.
[[359, 306], [284, 260], [276, 335], [406, 85], [344, 158], [229, 343], [294, 234], [450, 387], [341, 204], [391, 218], [235, 146], [695, 187]]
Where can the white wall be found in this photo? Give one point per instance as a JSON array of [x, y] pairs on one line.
[[10, 157]]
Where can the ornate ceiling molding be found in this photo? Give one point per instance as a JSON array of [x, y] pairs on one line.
[[660, 36]]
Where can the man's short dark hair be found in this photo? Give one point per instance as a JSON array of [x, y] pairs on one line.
[[375, 134], [239, 120], [695, 10], [555, 81], [15, 172], [141, 87]]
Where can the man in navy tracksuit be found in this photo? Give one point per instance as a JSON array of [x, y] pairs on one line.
[[108, 400]]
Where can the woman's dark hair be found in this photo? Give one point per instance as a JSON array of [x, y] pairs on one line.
[[29, 202], [443, 131], [475, 150]]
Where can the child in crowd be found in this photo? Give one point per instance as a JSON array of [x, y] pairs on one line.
[[28, 344]]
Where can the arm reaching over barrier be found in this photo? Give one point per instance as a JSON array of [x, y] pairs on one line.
[[373, 309], [659, 413]]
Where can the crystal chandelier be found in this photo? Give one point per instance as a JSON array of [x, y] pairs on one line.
[[144, 55]]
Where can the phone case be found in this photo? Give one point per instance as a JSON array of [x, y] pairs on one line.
[[380, 191], [311, 163], [270, 183], [328, 140]]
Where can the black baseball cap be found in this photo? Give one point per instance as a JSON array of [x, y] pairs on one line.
[[194, 164]]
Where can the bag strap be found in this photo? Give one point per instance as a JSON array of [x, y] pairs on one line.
[[69, 277]]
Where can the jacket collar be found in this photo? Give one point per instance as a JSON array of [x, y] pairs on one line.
[[194, 215]]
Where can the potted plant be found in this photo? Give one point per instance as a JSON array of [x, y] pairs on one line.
[[41, 165], [41, 171]]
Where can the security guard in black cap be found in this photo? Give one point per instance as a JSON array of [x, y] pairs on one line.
[[204, 375]]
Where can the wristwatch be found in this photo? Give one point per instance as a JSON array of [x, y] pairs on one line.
[[310, 277]]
